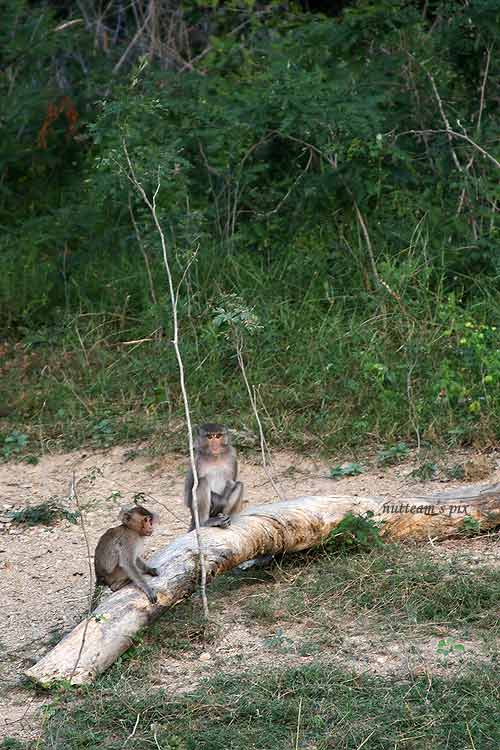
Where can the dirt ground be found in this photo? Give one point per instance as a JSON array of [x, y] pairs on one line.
[[45, 571]]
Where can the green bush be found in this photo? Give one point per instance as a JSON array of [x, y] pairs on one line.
[[305, 171]]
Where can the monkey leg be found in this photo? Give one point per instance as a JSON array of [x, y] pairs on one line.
[[223, 506], [116, 579], [218, 514], [234, 499]]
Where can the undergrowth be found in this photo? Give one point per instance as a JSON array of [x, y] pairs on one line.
[[314, 706], [391, 596], [44, 514], [301, 163], [340, 382]]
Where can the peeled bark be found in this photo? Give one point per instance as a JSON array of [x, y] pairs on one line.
[[288, 526]]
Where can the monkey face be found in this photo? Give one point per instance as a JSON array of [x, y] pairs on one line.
[[216, 442], [213, 438], [147, 526]]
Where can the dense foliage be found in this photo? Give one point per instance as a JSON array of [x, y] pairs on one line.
[[336, 174]]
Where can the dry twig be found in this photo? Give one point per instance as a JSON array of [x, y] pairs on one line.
[[380, 281], [463, 136], [264, 448], [73, 496], [151, 204]]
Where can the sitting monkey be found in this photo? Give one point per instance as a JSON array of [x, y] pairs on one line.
[[219, 495], [117, 556]]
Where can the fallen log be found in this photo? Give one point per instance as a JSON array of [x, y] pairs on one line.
[[289, 526]]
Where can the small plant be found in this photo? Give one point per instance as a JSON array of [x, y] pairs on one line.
[[10, 743], [30, 459], [279, 641], [457, 471], [470, 526], [235, 315], [130, 455], [347, 470], [261, 608], [103, 433], [14, 444], [44, 514], [394, 454], [114, 496], [449, 646], [354, 534], [427, 470]]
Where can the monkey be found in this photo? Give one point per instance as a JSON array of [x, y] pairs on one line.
[[117, 555], [219, 495]]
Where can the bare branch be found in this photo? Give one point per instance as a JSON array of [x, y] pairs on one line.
[[380, 281], [411, 405], [483, 88], [185, 272], [133, 42], [73, 496], [151, 204], [445, 119], [264, 448], [289, 191], [143, 251], [463, 136]]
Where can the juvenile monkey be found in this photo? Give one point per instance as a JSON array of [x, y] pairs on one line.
[[117, 557], [219, 495]]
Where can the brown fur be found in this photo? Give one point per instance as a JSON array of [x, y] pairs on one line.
[[219, 495], [117, 556]]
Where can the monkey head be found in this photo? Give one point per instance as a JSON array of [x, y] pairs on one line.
[[138, 519], [213, 438]]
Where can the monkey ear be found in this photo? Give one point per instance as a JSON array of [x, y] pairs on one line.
[[124, 514]]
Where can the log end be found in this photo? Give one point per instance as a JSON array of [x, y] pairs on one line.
[[48, 679]]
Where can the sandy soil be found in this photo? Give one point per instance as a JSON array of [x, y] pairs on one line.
[[45, 573]]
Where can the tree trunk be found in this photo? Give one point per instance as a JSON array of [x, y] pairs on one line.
[[290, 526]]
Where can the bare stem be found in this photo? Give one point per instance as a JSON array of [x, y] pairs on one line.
[[483, 88], [144, 253], [379, 280], [73, 496], [412, 408], [463, 136], [444, 118], [264, 448], [151, 204]]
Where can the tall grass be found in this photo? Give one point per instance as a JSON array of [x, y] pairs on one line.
[[332, 369]]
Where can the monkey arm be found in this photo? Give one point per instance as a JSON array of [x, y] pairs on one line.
[[233, 498], [130, 566], [145, 568]]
